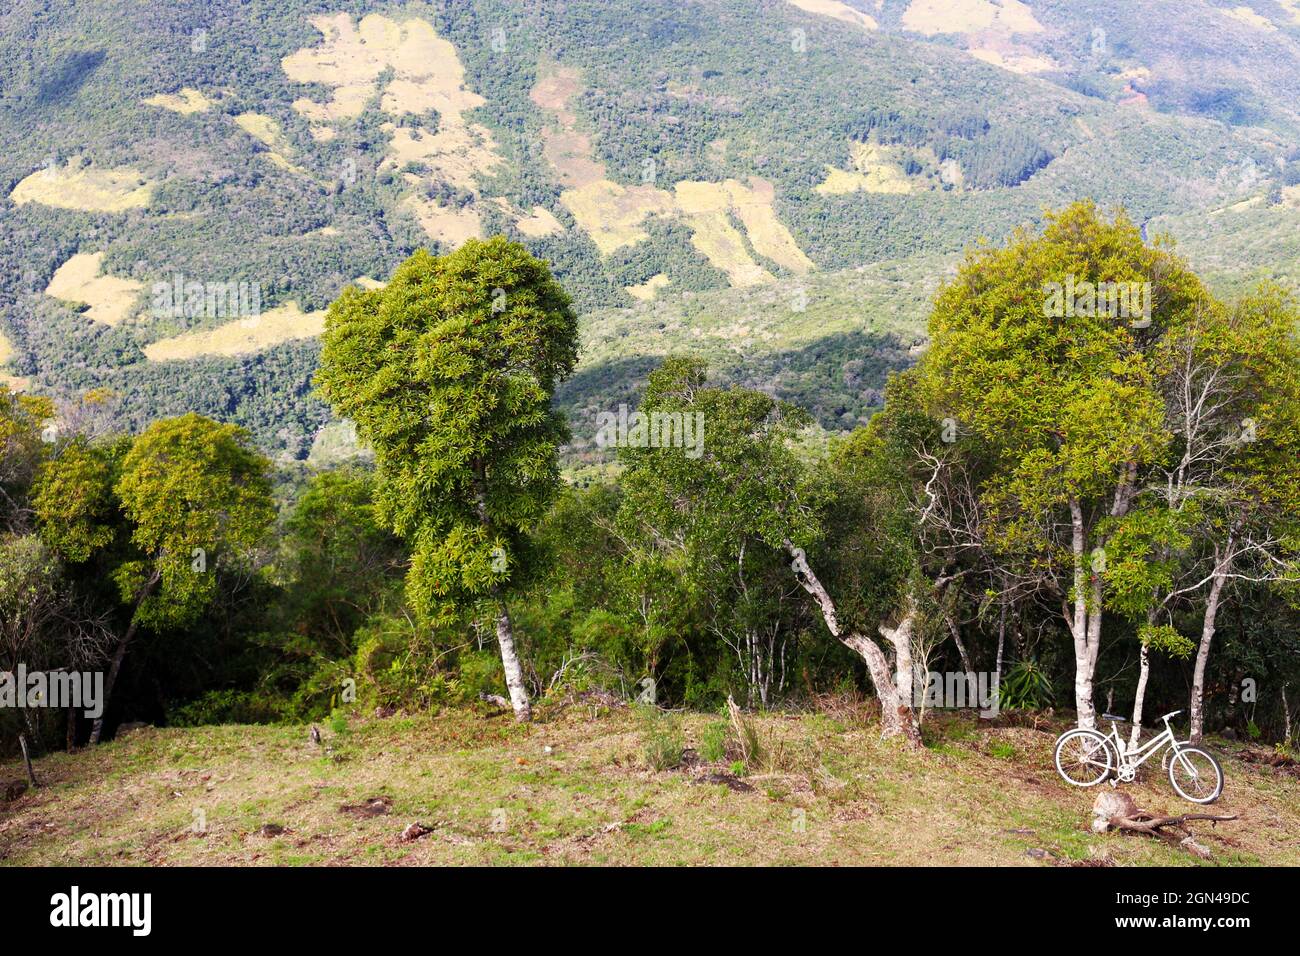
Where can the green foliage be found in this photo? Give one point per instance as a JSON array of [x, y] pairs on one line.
[[662, 738], [448, 373], [713, 741], [1025, 686], [193, 492], [1165, 638], [231, 707]]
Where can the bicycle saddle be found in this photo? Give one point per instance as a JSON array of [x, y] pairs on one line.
[[1122, 720]]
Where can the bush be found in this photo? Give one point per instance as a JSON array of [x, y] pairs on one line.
[[232, 707], [713, 741]]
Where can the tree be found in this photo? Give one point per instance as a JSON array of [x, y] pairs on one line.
[[1067, 399], [22, 419], [744, 489], [157, 517], [338, 565], [1232, 398], [448, 372]]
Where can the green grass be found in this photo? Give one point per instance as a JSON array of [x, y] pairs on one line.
[[826, 791]]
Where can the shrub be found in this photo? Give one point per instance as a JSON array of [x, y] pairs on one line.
[[713, 741]]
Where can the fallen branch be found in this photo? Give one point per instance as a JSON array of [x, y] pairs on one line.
[[1118, 811]]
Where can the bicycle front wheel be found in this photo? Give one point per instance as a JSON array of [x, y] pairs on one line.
[[1083, 758], [1196, 775]]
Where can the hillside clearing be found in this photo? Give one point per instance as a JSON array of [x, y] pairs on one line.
[[110, 299], [86, 188], [840, 11], [242, 336], [185, 102], [576, 790]]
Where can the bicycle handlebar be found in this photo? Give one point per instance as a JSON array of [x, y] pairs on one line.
[[1174, 713]]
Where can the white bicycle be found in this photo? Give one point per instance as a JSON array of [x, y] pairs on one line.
[[1085, 758]]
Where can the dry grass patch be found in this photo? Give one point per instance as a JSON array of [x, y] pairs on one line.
[[768, 236], [87, 188], [542, 222], [457, 153], [555, 86], [1249, 17], [270, 134], [1012, 58], [840, 11], [424, 73], [78, 280], [187, 102], [874, 169], [612, 214], [242, 336], [970, 16], [444, 224], [645, 291]]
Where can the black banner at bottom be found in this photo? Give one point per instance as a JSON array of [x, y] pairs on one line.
[[339, 905]]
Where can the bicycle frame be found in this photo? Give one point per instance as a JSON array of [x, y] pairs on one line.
[[1137, 756]]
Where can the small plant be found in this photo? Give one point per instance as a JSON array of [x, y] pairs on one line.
[[713, 741], [737, 768], [1002, 750], [339, 722], [662, 740], [751, 748], [1025, 687]]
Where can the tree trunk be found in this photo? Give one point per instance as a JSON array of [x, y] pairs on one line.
[[1080, 626], [27, 761], [97, 728], [1002, 638], [514, 673], [895, 711], [900, 636], [1203, 655], [1143, 672], [955, 630]]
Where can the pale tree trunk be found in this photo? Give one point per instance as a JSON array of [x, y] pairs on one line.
[[895, 710], [900, 636], [1203, 653], [1085, 624], [514, 672], [1002, 639], [1080, 625], [1143, 672], [505, 630]]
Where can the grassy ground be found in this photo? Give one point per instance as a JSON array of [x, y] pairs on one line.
[[577, 788]]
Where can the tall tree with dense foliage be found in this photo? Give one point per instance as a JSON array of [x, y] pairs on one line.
[[448, 373], [157, 516], [1067, 399]]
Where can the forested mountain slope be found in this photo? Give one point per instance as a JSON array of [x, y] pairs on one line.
[[184, 187]]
